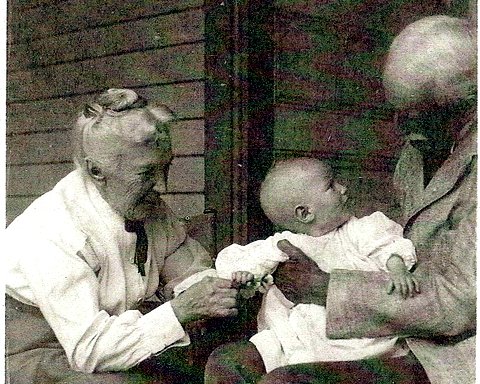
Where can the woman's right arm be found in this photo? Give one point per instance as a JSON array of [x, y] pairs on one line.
[[66, 290]]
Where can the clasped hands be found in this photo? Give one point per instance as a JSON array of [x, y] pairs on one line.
[[302, 281], [299, 278]]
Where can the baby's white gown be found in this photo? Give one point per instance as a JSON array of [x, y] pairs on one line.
[[292, 334]]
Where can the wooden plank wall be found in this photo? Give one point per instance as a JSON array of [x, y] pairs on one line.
[[61, 53], [329, 98]]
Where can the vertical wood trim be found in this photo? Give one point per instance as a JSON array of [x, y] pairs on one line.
[[238, 114], [260, 110], [218, 116], [240, 123]]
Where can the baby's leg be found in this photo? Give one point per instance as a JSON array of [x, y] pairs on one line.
[[234, 363]]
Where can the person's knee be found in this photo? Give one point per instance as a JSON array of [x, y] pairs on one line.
[[220, 365], [283, 375], [310, 373], [220, 353], [226, 355], [238, 362]]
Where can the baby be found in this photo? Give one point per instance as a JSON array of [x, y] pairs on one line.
[[301, 196]]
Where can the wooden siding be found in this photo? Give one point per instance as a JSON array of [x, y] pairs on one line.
[[31, 20], [152, 33], [185, 99], [168, 65], [60, 54]]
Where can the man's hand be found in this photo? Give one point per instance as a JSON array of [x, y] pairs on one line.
[[299, 278], [211, 297]]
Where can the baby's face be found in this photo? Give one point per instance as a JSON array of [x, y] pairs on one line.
[[328, 201]]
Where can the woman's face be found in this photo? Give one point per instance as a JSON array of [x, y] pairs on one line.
[[132, 153], [131, 188]]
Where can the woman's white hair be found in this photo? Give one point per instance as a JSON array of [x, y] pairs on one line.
[[433, 60], [108, 124]]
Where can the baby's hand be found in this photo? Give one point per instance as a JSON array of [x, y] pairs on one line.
[[405, 283], [242, 279], [401, 279]]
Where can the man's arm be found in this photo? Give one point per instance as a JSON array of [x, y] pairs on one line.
[[446, 306], [358, 305]]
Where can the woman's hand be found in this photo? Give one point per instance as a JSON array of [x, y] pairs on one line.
[[299, 278], [211, 297]]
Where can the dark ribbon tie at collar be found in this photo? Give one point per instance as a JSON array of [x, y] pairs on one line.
[[141, 247]]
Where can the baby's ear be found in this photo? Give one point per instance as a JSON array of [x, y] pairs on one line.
[[303, 214]]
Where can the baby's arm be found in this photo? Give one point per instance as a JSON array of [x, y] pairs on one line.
[[386, 246], [259, 258], [400, 277]]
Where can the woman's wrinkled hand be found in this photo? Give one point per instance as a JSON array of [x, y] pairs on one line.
[[211, 297], [299, 278]]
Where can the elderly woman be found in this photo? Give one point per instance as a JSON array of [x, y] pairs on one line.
[[430, 76], [83, 257]]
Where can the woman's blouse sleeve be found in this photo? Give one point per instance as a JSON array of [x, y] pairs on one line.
[[185, 256], [66, 289]]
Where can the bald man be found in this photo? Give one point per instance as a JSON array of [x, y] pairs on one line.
[[430, 77]]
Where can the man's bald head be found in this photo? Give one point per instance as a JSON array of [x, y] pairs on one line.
[[432, 61]]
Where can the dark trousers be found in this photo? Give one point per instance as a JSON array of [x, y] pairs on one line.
[[34, 355], [241, 363]]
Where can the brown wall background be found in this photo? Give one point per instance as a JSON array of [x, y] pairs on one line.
[[323, 60], [329, 99], [61, 53]]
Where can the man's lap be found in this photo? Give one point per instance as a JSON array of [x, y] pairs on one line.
[[238, 363]]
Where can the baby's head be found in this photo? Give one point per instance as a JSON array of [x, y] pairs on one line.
[[302, 196]]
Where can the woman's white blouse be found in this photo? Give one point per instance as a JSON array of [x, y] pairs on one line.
[[69, 255]]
